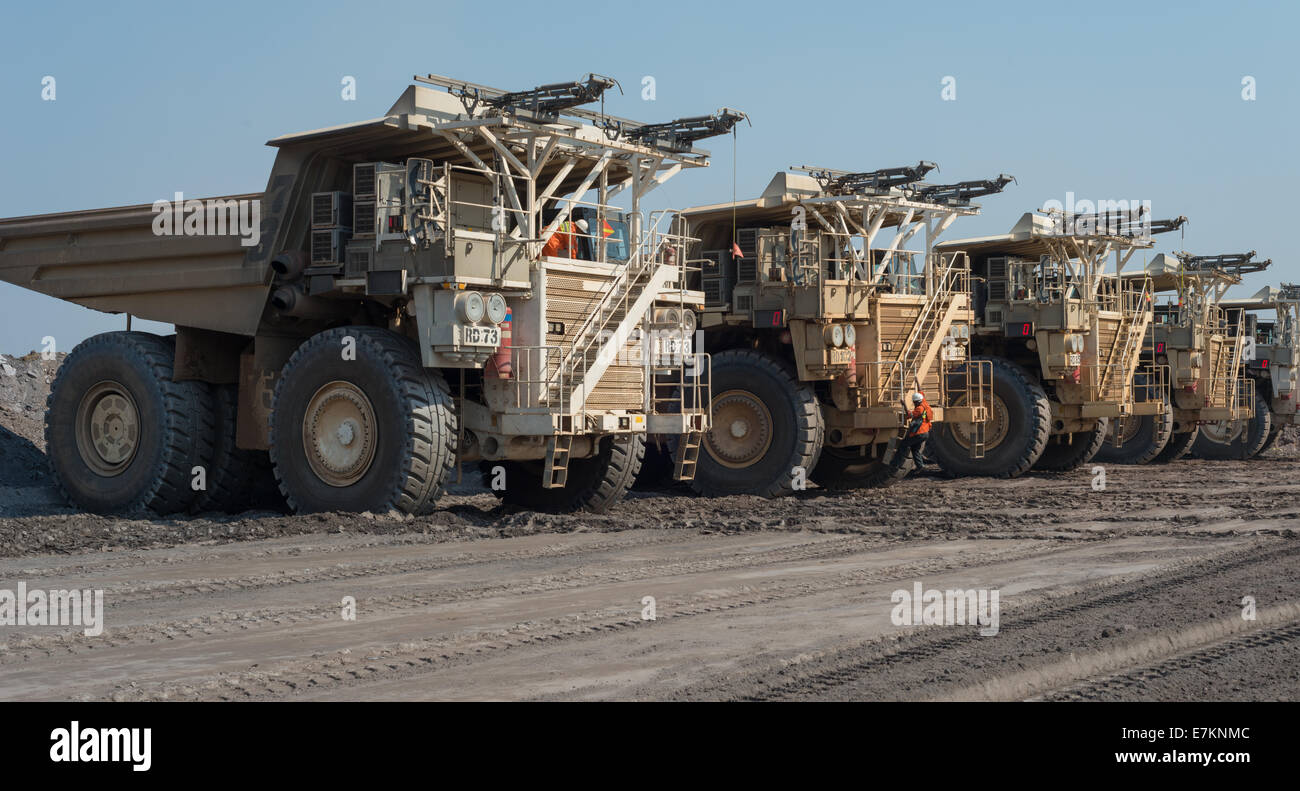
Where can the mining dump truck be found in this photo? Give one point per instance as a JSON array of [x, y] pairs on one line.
[[1272, 339], [1203, 344], [451, 282], [1064, 338], [821, 322]]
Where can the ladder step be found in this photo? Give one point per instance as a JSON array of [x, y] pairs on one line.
[[556, 471], [687, 455]]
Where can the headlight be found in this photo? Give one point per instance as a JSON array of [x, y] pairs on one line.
[[496, 308], [850, 335], [835, 335], [688, 321], [470, 306]]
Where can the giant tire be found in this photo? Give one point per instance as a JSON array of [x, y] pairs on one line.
[[1145, 439], [1209, 440], [1021, 423], [230, 478], [594, 484], [400, 413], [854, 468], [657, 466], [766, 424], [1177, 447], [1065, 452], [120, 434], [1272, 438]]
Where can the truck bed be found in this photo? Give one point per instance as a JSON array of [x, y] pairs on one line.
[[111, 260]]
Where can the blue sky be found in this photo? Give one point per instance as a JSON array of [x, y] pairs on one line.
[[1106, 100]]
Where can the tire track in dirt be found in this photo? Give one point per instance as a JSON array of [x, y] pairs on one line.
[[1214, 655], [411, 658], [866, 669]]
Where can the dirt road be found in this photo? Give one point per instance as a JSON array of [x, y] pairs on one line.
[[1134, 591]]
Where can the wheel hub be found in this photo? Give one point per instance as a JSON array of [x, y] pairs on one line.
[[107, 429], [995, 429], [339, 434], [1224, 432], [748, 429]]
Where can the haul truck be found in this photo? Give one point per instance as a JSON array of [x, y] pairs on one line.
[[399, 314], [821, 323], [1064, 338], [1203, 343], [1270, 355]]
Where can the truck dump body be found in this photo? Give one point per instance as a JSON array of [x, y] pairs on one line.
[[112, 260]]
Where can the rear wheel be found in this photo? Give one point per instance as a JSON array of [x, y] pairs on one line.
[[1235, 439], [120, 434], [1065, 452], [1144, 438], [1020, 423], [767, 427], [594, 484], [372, 431], [855, 468]]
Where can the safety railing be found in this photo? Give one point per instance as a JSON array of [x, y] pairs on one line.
[[1124, 296], [878, 385], [532, 370], [683, 387], [968, 384], [1151, 382], [1243, 403]]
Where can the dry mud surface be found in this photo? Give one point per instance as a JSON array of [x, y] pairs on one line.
[[1133, 592]]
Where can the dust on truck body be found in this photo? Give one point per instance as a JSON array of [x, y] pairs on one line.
[[825, 323], [1202, 339], [399, 314], [1272, 342]]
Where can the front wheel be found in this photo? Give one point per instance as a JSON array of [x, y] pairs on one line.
[[358, 424], [594, 484], [1144, 438], [1235, 439], [855, 468], [1020, 423], [1066, 452], [767, 428]]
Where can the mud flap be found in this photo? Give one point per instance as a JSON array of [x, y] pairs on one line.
[[888, 458]]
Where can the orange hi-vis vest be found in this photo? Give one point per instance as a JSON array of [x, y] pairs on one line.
[[562, 243], [926, 414]]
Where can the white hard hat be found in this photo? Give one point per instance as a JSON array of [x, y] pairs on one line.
[[582, 225], [918, 398]]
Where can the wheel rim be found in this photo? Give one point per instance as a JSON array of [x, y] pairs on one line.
[[1224, 432], [742, 429], [107, 428], [339, 434], [995, 429]]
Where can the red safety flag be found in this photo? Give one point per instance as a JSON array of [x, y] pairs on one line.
[[735, 251]]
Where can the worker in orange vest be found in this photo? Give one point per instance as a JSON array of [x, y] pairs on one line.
[[918, 430], [564, 242]]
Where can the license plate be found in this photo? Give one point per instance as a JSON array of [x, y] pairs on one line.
[[673, 346], [841, 356], [1075, 360], [481, 336]]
